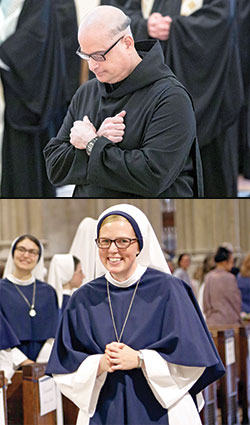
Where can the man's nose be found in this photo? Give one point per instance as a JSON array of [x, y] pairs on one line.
[[93, 65]]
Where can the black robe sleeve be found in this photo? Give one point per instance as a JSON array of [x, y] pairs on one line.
[[66, 164]]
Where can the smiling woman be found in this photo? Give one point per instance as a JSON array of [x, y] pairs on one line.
[[28, 305], [122, 351], [119, 261], [26, 254]]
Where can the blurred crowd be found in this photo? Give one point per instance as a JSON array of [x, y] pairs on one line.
[[221, 284]]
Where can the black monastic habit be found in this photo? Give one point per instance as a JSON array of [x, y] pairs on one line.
[[203, 52], [244, 125], [36, 92]]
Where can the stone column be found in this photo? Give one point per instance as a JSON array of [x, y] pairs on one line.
[[244, 218], [18, 216], [150, 207], [61, 218], [203, 224]]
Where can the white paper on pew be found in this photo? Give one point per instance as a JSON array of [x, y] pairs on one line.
[[47, 395], [2, 418], [230, 351], [248, 340]]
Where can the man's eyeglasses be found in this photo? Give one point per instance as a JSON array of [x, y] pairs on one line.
[[121, 243], [31, 252], [97, 56]]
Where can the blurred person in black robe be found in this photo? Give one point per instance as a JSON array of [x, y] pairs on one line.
[[37, 91], [202, 50], [66, 15], [244, 125]]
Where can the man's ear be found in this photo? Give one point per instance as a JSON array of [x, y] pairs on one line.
[[129, 41]]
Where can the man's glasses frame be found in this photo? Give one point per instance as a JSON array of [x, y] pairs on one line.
[[120, 243], [97, 56]]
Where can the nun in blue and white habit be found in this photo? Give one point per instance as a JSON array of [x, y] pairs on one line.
[[65, 275], [132, 347], [28, 305]]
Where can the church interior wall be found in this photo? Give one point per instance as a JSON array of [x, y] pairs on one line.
[[201, 225]]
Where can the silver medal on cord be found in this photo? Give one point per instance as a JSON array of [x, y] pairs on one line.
[[32, 311]]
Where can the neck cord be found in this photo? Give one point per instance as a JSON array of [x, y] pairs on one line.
[[118, 338], [32, 311]]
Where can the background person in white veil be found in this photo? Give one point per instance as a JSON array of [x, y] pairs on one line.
[[132, 347], [28, 304], [65, 275], [84, 247]]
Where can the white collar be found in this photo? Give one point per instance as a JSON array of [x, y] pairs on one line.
[[17, 281], [139, 271], [67, 292]]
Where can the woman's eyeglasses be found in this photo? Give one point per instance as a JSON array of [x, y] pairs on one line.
[[121, 243], [31, 252]]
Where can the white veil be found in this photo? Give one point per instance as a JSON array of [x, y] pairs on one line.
[[84, 247], [37, 272], [61, 271]]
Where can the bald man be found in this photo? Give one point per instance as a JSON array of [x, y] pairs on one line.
[[131, 131]]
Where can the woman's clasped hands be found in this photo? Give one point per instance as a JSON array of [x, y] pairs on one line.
[[118, 356]]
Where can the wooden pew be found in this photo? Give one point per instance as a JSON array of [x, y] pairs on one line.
[[31, 404], [31, 374], [3, 399], [70, 412], [23, 405], [15, 399], [228, 384], [242, 343], [244, 372], [209, 413]]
